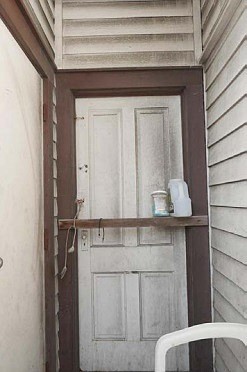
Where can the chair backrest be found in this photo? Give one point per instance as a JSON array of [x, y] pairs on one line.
[[198, 332]]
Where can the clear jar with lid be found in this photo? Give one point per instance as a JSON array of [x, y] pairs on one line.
[[160, 206]]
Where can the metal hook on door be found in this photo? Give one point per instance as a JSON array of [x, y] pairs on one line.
[[103, 237]]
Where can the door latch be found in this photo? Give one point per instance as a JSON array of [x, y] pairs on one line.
[[84, 240]]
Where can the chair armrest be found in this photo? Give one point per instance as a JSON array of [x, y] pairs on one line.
[[197, 332]]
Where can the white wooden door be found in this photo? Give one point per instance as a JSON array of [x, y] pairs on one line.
[[132, 285]]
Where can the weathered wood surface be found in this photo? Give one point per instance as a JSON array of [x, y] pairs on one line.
[[130, 145], [136, 222]]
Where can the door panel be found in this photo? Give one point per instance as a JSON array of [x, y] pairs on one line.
[[142, 258], [156, 292], [106, 170], [132, 285], [152, 134], [109, 304]]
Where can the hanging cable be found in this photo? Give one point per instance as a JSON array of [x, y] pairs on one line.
[[79, 203]]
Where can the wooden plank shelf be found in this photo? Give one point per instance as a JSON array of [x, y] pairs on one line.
[[135, 222]]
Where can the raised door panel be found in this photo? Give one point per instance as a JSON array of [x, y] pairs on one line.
[[105, 168], [153, 165], [109, 306], [111, 259], [156, 304]]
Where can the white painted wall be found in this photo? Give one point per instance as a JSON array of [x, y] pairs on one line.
[[21, 212], [224, 58], [132, 33]]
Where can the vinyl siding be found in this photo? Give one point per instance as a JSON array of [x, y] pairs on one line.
[[55, 222], [42, 12], [224, 58], [139, 33]]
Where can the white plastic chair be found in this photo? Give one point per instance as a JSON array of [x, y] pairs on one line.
[[198, 332]]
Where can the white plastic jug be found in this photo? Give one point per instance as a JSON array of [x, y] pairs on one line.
[[179, 198]]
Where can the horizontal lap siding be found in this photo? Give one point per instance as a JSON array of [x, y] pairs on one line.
[[107, 34], [55, 223], [42, 13], [235, 346], [226, 105], [211, 10]]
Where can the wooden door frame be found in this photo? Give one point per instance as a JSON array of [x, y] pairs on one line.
[[188, 83], [16, 19]]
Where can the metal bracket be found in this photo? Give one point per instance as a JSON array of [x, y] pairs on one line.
[[84, 240]]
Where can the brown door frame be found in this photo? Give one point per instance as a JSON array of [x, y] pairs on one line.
[[23, 30], [188, 83]]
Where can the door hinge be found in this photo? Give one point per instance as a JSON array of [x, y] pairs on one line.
[[45, 112]]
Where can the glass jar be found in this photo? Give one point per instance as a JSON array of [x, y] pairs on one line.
[[160, 206]]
